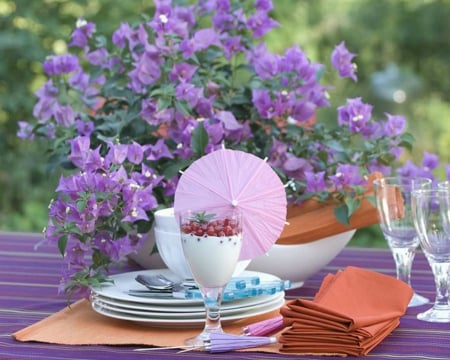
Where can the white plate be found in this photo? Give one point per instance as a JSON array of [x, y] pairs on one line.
[[236, 304], [199, 314], [185, 323], [126, 281], [112, 300], [147, 307]]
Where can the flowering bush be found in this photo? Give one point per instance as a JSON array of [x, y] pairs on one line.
[[125, 114]]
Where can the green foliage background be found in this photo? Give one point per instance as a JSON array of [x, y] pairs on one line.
[[403, 48]]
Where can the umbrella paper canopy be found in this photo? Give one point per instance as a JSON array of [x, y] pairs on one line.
[[222, 342], [227, 179], [264, 327]]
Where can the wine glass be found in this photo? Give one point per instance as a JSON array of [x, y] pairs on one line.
[[431, 211], [393, 199], [212, 245]]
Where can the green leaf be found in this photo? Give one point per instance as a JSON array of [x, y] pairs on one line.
[[100, 41], [203, 217], [173, 168], [154, 250], [341, 214], [183, 107], [386, 158], [164, 103], [144, 226], [165, 91], [352, 205], [62, 244], [407, 141], [200, 139], [81, 205]]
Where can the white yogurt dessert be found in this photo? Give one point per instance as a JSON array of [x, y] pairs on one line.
[[212, 249]]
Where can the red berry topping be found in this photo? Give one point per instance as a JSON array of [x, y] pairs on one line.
[[203, 225]]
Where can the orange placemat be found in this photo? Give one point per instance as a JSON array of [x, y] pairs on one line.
[[81, 325]]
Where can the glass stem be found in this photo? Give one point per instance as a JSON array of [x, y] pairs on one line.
[[403, 258], [441, 278], [212, 298]]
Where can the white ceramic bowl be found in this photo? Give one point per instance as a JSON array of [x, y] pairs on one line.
[[171, 251], [165, 220], [299, 262]]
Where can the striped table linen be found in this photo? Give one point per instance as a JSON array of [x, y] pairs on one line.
[[28, 293]]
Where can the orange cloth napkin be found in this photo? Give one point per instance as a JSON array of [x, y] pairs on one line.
[[352, 312]]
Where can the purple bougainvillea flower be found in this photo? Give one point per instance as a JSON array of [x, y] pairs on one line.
[[61, 64], [182, 72], [394, 125], [64, 116], [260, 23], [158, 151], [135, 153], [25, 130], [355, 114], [83, 32], [341, 59], [315, 182], [347, 175]]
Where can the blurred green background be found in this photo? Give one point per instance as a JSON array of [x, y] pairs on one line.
[[403, 49]]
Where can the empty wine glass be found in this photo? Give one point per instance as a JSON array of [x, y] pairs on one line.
[[431, 211], [212, 245], [444, 185], [393, 199]]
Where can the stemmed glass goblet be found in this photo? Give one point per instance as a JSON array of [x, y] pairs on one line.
[[212, 245], [431, 211], [393, 199]]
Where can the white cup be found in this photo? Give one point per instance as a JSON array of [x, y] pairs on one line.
[[165, 221]]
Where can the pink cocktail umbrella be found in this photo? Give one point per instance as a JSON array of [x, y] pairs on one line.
[[232, 179], [264, 327]]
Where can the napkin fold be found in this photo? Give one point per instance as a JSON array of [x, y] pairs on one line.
[[353, 311]]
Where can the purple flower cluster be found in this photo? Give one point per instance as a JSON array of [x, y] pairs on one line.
[[144, 104], [99, 207]]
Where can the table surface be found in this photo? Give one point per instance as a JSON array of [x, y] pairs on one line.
[[28, 293]]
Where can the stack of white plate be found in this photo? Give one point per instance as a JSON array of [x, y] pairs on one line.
[[113, 300]]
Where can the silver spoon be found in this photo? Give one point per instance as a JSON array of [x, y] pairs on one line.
[[162, 283]]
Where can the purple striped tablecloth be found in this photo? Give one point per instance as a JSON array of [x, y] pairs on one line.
[[28, 293]]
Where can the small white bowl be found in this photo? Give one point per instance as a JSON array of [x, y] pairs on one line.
[[299, 262], [165, 220], [171, 251]]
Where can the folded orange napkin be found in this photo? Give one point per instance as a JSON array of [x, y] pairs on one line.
[[352, 312]]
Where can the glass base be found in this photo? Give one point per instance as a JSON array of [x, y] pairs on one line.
[[440, 315], [201, 340], [418, 300]]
